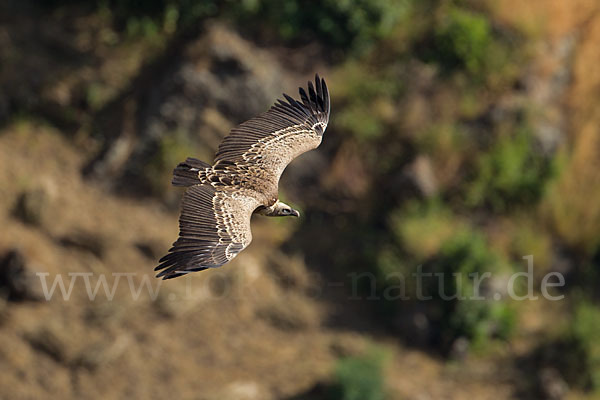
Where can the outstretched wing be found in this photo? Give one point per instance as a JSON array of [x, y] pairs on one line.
[[272, 140], [214, 227]]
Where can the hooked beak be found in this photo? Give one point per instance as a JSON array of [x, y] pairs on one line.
[[295, 213]]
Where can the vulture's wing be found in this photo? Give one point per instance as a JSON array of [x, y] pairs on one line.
[[214, 227], [272, 140]]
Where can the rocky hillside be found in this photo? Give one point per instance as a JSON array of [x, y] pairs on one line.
[[463, 138]]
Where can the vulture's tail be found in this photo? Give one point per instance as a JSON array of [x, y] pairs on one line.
[[186, 173]]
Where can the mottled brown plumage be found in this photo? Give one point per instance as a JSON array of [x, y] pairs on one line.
[[214, 225]]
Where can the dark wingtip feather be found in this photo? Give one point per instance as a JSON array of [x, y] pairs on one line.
[[304, 98], [326, 96], [318, 85], [317, 97], [323, 93], [173, 272], [314, 99], [291, 100], [169, 275], [314, 102]]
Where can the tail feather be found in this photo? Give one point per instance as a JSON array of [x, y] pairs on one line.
[[186, 173]]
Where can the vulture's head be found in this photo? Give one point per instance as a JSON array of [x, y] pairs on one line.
[[279, 209]]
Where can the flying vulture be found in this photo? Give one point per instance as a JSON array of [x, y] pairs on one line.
[[214, 225]]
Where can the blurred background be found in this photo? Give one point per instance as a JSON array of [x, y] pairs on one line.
[[464, 136]]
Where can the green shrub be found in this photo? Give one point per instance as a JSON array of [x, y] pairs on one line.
[[446, 246], [512, 173], [583, 335], [346, 24], [148, 17], [421, 229], [480, 321], [463, 40], [576, 352], [360, 122], [367, 97], [467, 252], [144, 26], [359, 378]]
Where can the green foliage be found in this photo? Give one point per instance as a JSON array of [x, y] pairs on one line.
[[429, 234], [151, 16], [468, 255], [368, 101], [421, 229], [576, 352], [360, 122], [463, 40], [463, 258], [360, 378], [583, 335], [512, 173], [345, 24], [144, 26], [481, 320], [467, 252]]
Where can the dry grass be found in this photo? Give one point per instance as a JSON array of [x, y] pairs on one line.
[[573, 205]]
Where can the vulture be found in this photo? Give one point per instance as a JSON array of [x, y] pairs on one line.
[[214, 225]]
